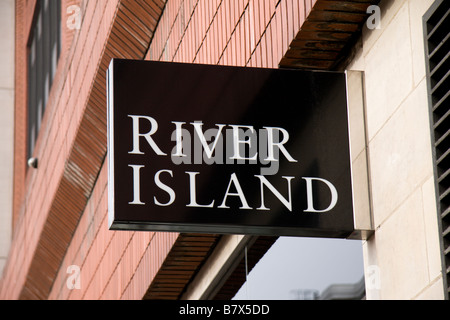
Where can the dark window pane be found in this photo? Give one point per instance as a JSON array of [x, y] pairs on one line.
[[44, 50]]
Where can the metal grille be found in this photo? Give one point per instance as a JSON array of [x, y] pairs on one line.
[[437, 39]]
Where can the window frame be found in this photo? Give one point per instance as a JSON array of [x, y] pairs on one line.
[[43, 52]]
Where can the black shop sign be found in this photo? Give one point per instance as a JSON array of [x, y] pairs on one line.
[[219, 149]]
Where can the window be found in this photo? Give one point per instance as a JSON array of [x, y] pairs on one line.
[[43, 53], [307, 269], [437, 44]]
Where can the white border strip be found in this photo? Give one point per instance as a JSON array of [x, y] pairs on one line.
[[110, 143]]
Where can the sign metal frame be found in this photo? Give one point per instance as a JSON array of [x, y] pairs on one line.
[[148, 101]]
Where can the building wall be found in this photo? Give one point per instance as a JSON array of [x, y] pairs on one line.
[[121, 265], [242, 33], [402, 259], [6, 125], [35, 190]]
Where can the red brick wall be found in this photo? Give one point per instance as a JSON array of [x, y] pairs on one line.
[[115, 265], [35, 192], [245, 33], [122, 264], [20, 109], [24, 17]]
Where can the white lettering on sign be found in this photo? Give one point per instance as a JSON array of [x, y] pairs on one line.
[[237, 142], [270, 134], [137, 135], [286, 200], [136, 184], [272, 144], [164, 187], [309, 192], [239, 193]]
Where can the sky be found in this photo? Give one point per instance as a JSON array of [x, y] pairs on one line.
[[303, 263]]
